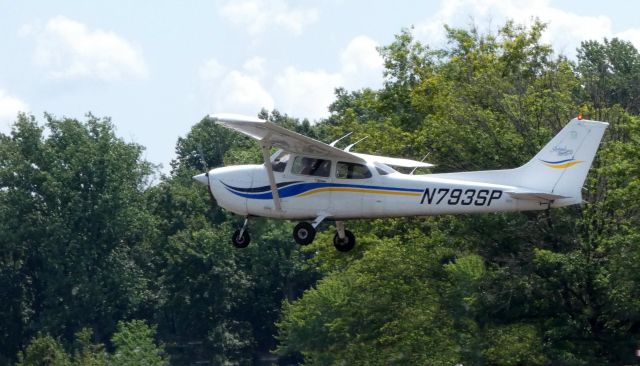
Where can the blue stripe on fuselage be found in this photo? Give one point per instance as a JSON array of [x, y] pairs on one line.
[[296, 189]]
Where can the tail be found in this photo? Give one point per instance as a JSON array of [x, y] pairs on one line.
[[557, 173], [561, 167]]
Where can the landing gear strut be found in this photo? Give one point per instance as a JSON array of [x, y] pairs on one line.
[[241, 238], [344, 240]]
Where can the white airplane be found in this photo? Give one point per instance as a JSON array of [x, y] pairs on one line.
[[311, 181]]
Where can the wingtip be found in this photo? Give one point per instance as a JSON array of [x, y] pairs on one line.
[[591, 122], [233, 117]]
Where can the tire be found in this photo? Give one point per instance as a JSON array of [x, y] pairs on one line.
[[346, 244], [304, 233], [241, 241]]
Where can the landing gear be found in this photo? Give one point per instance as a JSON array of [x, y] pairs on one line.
[[344, 240], [241, 238], [304, 233]]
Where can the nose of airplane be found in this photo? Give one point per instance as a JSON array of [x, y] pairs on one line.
[[202, 178]]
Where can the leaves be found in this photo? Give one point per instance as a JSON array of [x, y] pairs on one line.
[[87, 243], [506, 289]]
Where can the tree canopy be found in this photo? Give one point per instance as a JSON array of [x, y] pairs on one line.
[[99, 266]]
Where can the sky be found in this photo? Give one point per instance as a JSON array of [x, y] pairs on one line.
[[157, 67]]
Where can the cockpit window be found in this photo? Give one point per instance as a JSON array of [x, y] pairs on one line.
[[352, 171], [280, 163], [311, 166]]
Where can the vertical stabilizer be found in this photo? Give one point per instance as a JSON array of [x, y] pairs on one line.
[[561, 167]]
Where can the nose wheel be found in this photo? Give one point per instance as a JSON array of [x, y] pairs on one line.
[[304, 233], [241, 238]]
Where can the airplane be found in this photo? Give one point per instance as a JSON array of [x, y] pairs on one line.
[[310, 181]]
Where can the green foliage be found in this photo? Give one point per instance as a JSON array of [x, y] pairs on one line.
[[381, 310], [74, 229], [44, 350], [86, 353], [504, 289], [218, 304], [134, 345], [86, 243], [206, 285], [610, 72], [514, 344]]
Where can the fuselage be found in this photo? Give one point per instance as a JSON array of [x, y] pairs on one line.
[[345, 190]]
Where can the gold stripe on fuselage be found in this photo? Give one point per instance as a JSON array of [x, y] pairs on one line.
[[358, 190]]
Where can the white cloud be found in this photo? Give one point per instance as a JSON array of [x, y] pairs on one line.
[[306, 94], [256, 16], [237, 91], [362, 65], [68, 49], [9, 108], [565, 29], [242, 93], [211, 70], [297, 92], [255, 66], [631, 35]]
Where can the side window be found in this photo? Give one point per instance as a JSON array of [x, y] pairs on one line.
[[280, 163], [352, 171], [311, 166], [381, 171]]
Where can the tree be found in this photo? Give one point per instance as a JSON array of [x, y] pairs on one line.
[[610, 74], [217, 303], [75, 232], [520, 288], [135, 345], [86, 353], [44, 350]]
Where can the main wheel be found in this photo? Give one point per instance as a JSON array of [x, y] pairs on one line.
[[241, 241], [304, 233], [346, 244]]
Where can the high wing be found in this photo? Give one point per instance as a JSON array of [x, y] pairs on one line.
[[279, 137]]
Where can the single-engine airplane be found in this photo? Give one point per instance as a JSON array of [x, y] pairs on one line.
[[311, 181]]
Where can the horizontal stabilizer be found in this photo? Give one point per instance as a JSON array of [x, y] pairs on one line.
[[404, 163], [536, 196]]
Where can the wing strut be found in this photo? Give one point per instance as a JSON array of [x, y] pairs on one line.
[[266, 155]]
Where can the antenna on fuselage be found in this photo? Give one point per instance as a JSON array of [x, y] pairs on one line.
[[348, 148], [333, 144], [422, 161]]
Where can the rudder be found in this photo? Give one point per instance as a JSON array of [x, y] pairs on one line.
[[561, 167]]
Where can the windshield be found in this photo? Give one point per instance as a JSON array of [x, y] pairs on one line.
[[278, 164]]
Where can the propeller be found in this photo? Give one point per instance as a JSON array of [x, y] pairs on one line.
[[204, 177]]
